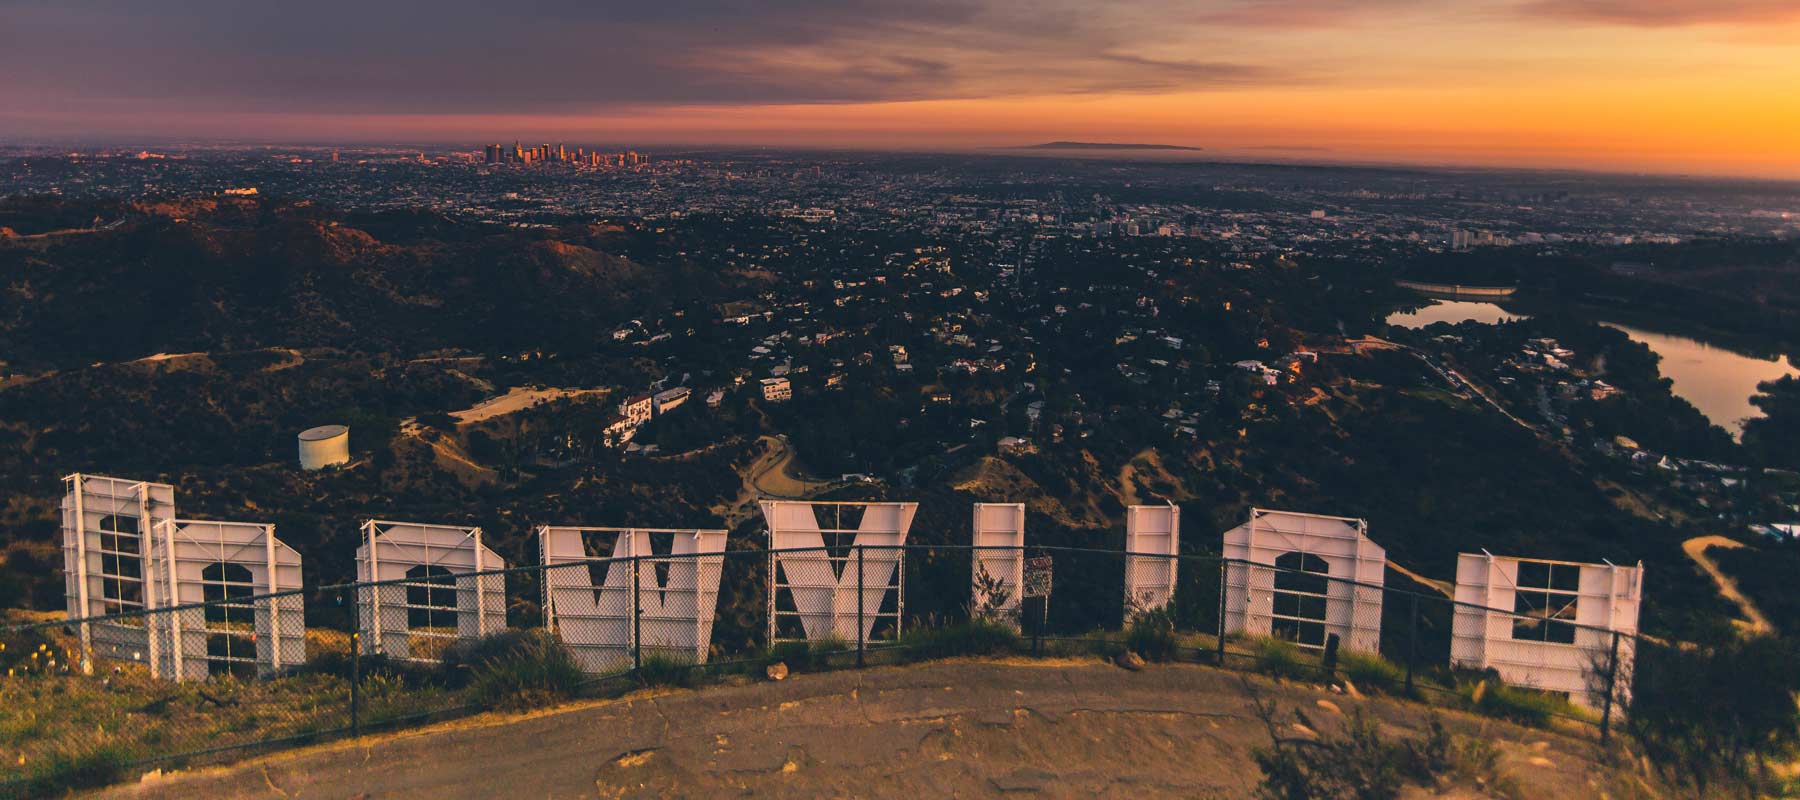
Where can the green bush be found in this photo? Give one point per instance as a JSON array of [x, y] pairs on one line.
[[1361, 764], [65, 770], [1370, 671], [656, 669], [809, 656], [517, 669], [1152, 635], [1281, 658], [1524, 706], [978, 637]]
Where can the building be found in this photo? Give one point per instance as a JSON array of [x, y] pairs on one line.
[[669, 400], [777, 390], [637, 409]]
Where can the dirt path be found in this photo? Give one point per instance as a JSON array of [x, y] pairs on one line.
[[1753, 622], [770, 475], [519, 399], [1060, 729], [1445, 588]]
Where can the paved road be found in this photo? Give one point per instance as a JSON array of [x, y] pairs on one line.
[[969, 729]]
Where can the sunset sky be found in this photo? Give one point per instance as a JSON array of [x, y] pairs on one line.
[[1696, 86]]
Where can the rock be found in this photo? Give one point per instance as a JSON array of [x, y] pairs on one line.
[[1330, 706], [777, 671], [1129, 660], [1350, 689], [1024, 779]]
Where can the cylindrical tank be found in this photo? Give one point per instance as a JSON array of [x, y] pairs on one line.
[[324, 446]]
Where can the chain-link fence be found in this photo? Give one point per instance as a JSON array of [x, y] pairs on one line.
[[91, 700]]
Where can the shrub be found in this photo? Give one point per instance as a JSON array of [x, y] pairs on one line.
[[1525, 706], [1152, 635], [1714, 715], [77, 768], [656, 669], [1356, 766], [516, 669], [1361, 764], [1370, 671], [973, 638], [808, 656], [1280, 658]]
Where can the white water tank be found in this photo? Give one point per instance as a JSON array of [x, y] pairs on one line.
[[324, 446]]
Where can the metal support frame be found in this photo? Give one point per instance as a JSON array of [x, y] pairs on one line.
[[374, 591], [274, 604], [174, 621], [1412, 642], [861, 634], [637, 617], [1224, 575], [1612, 679], [81, 571]]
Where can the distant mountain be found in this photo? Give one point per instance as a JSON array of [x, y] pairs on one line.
[[1104, 146]]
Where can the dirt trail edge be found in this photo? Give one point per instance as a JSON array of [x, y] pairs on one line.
[[1075, 729], [1754, 622]]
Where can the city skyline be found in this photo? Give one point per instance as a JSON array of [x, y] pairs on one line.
[[1671, 86]]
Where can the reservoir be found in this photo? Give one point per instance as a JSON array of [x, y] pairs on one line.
[[1718, 381]]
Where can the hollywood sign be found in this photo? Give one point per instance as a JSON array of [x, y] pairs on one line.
[[834, 572]]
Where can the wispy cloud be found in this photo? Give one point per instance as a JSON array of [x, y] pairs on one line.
[[451, 56], [1667, 13]]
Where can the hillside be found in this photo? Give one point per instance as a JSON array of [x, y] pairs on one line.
[[236, 275]]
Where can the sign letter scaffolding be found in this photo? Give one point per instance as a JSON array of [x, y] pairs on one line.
[[233, 567], [589, 598], [820, 553], [999, 561], [1564, 620], [1152, 538], [1309, 576], [426, 600]]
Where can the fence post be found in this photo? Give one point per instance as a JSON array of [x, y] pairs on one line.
[[355, 669], [1219, 659], [1412, 642], [861, 635], [637, 621], [1612, 677]]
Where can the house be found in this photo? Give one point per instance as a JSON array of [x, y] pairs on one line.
[[617, 431], [777, 390], [669, 400], [637, 409]]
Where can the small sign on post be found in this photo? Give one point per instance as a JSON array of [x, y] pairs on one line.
[[1036, 581]]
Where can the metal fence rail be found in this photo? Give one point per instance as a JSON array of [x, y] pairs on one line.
[[214, 680]]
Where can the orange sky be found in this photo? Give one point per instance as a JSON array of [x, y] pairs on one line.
[[1692, 86]]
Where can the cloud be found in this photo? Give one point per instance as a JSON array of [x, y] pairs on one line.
[[566, 56], [1667, 13], [1298, 13]]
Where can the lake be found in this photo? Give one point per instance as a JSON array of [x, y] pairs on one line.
[[1453, 312], [1718, 381]]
